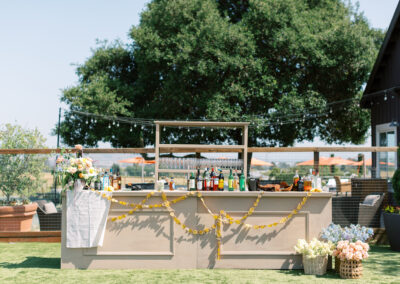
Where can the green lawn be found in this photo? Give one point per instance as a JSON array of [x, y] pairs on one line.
[[40, 263]]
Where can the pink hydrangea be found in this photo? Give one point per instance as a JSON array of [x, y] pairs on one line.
[[351, 251]]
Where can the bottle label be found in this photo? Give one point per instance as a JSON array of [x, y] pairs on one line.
[[208, 183], [295, 181], [221, 184], [191, 184], [230, 183], [199, 185]]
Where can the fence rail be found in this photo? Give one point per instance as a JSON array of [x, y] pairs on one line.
[[194, 149]]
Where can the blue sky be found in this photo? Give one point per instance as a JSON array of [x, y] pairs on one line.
[[40, 40]]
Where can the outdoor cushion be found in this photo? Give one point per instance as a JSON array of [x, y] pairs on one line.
[[371, 199], [50, 208]]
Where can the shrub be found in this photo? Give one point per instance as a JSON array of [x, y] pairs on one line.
[[20, 174]]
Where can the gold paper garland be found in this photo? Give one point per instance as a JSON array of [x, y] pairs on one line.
[[220, 218]]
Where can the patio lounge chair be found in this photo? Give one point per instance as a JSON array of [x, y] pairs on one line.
[[49, 216], [369, 210], [342, 186]]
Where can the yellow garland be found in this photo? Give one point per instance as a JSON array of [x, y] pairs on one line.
[[283, 220], [221, 217]]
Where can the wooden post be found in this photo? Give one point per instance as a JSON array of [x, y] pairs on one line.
[[364, 166], [245, 148], [157, 152], [316, 161]]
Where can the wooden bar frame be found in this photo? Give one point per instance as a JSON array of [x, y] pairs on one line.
[[201, 148]]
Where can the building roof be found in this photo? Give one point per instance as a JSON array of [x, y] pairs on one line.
[[383, 52]]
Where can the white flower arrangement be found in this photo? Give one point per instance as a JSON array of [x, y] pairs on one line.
[[314, 248], [73, 169]]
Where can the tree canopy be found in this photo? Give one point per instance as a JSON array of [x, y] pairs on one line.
[[282, 65]]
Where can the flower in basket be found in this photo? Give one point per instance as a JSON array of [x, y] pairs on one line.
[[315, 255], [353, 233], [346, 250], [314, 248]]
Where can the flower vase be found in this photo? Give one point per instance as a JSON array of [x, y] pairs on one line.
[[79, 185], [316, 265], [351, 269]]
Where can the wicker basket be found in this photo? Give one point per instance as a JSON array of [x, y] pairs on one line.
[[337, 264], [315, 266], [351, 269]]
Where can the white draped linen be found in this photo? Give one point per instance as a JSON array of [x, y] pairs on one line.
[[86, 218]]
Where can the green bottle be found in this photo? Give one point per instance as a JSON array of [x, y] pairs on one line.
[[242, 182], [230, 181], [192, 182]]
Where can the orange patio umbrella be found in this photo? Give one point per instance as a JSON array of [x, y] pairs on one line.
[[137, 160], [328, 161], [257, 162]]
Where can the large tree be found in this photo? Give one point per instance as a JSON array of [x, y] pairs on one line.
[[281, 64]]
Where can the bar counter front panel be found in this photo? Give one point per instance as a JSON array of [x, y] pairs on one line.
[[149, 238]]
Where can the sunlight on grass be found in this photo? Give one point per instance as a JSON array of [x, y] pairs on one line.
[[40, 263]]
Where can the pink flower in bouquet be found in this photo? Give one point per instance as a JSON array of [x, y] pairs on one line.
[[79, 147], [60, 159], [351, 251]]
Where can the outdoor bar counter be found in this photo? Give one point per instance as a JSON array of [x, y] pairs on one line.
[[149, 238]]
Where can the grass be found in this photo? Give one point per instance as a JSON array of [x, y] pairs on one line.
[[40, 263]]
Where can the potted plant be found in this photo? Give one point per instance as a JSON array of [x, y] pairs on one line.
[[20, 176], [335, 233], [391, 218], [391, 215], [315, 255], [351, 256]]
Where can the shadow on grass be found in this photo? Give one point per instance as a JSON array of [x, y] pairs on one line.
[[383, 261], [329, 275], [34, 262]]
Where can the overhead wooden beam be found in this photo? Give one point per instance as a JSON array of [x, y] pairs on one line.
[[201, 123]]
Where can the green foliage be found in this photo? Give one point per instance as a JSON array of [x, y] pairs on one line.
[[396, 180], [136, 170], [232, 61], [20, 174], [116, 169]]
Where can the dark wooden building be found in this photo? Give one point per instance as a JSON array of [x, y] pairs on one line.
[[381, 95]]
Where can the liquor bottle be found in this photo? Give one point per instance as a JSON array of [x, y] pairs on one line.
[[230, 181], [211, 179], [221, 181], [192, 182], [236, 182], [199, 181], [317, 180], [97, 183], [206, 180], [171, 184], [296, 179], [242, 182], [111, 177], [308, 181], [105, 181], [300, 184], [117, 182], [216, 181]]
